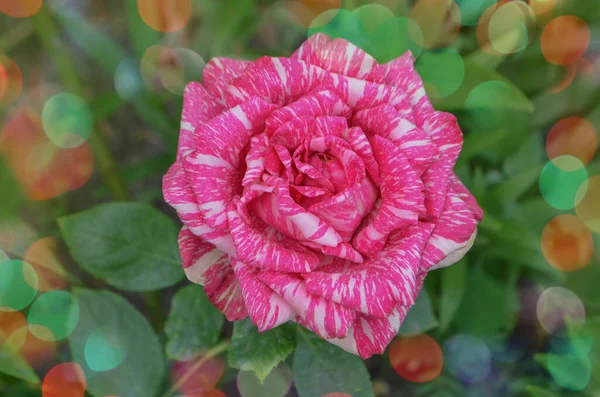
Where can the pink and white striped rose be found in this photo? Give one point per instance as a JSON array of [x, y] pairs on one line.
[[318, 188]]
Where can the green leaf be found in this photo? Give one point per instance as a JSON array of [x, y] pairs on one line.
[[517, 185], [194, 324], [320, 368], [496, 306], [420, 317], [475, 75], [454, 279], [130, 362], [476, 144], [260, 352], [539, 392], [11, 363], [131, 246], [141, 35]]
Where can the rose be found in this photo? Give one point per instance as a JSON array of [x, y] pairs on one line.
[[319, 189]]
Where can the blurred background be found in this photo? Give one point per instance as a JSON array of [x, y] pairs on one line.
[[90, 100]]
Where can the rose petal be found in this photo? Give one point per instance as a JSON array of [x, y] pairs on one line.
[[255, 159], [213, 169], [382, 282], [208, 266], [327, 319], [276, 80], [266, 309], [178, 193], [322, 103], [387, 122], [219, 72], [401, 197], [466, 196], [372, 335], [446, 134], [337, 56], [453, 236], [361, 146], [198, 107], [279, 210], [262, 246]]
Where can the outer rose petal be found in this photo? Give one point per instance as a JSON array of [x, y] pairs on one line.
[[454, 233], [337, 56], [401, 198], [178, 193], [382, 282], [206, 265], [266, 309], [198, 107], [446, 134], [213, 169], [219, 72], [327, 319], [372, 335], [466, 196], [276, 80]]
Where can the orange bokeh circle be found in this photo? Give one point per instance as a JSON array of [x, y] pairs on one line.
[[20, 8], [34, 350], [11, 81], [64, 380], [43, 257], [416, 358], [204, 378], [565, 39], [572, 136], [165, 15], [567, 243]]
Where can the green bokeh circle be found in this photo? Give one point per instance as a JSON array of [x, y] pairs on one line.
[[561, 180], [56, 311], [18, 285], [443, 69], [67, 120], [104, 350]]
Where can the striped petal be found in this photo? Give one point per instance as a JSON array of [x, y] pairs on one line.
[[266, 309], [465, 195], [262, 246], [446, 134], [337, 56], [322, 103], [377, 286], [198, 107], [327, 319], [214, 169], [401, 197], [454, 233], [372, 335], [178, 193], [276, 80], [206, 265], [219, 72], [387, 122]]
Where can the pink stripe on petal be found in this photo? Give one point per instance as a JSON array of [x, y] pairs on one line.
[[178, 193], [453, 236], [337, 56], [387, 122], [465, 195], [345, 211], [277, 80], [322, 103], [342, 251], [255, 159], [446, 134], [382, 282], [361, 146], [262, 246], [267, 310], [206, 265], [401, 198], [219, 72], [327, 319], [213, 169], [371, 335], [198, 107]]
